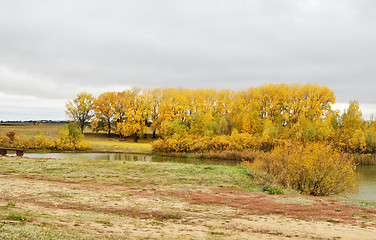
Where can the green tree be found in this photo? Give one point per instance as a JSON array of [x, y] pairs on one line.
[[80, 109], [70, 133]]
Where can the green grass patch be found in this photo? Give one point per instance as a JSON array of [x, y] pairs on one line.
[[17, 217], [273, 190], [302, 201], [332, 221]]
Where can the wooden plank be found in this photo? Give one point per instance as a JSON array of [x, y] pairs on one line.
[[19, 152], [3, 152], [12, 149]]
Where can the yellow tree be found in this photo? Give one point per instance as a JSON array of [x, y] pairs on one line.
[[80, 109], [154, 98], [307, 101], [316, 101], [351, 129], [223, 105], [135, 114], [167, 109], [105, 112]]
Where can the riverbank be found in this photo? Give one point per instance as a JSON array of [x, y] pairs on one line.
[[81, 199], [101, 143]]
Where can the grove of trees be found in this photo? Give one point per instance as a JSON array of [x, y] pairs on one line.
[[273, 111]]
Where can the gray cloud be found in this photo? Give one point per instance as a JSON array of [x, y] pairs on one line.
[[53, 49]]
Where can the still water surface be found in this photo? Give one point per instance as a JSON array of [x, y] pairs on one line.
[[367, 183], [367, 174], [130, 157]]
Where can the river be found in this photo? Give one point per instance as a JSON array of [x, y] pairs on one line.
[[367, 174]]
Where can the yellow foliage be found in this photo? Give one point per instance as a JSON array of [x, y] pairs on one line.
[[3, 140], [234, 142], [271, 112], [358, 141], [314, 168]]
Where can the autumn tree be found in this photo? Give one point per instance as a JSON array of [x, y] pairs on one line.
[[352, 134], [135, 114], [105, 112], [153, 98], [80, 109]]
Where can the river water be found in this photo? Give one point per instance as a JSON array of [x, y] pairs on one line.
[[367, 174]]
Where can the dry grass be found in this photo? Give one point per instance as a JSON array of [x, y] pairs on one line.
[[28, 130], [87, 199]]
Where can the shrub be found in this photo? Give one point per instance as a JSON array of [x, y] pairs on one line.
[[273, 190], [235, 142], [249, 155], [314, 168], [71, 139], [220, 142], [11, 136], [3, 140]]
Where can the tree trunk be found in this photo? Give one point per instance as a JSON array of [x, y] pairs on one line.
[[154, 134], [109, 128], [82, 127], [135, 138]]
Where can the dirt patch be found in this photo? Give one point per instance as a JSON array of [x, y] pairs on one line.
[[144, 210]]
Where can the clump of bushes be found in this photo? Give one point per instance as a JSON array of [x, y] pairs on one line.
[[312, 168], [248, 155], [70, 139], [219, 143]]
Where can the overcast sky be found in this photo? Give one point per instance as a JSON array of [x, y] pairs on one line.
[[51, 50]]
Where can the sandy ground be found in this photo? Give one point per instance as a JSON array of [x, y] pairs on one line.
[[155, 212]]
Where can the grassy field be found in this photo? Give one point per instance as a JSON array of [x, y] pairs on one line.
[[86, 199], [28, 130]]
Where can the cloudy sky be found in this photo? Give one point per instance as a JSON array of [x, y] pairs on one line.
[[51, 50]]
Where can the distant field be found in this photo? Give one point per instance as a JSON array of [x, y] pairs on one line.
[[27, 130], [98, 141]]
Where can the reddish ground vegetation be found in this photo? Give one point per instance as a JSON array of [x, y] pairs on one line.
[[295, 206]]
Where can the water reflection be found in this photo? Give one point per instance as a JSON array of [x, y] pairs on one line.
[[367, 183], [130, 157]]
